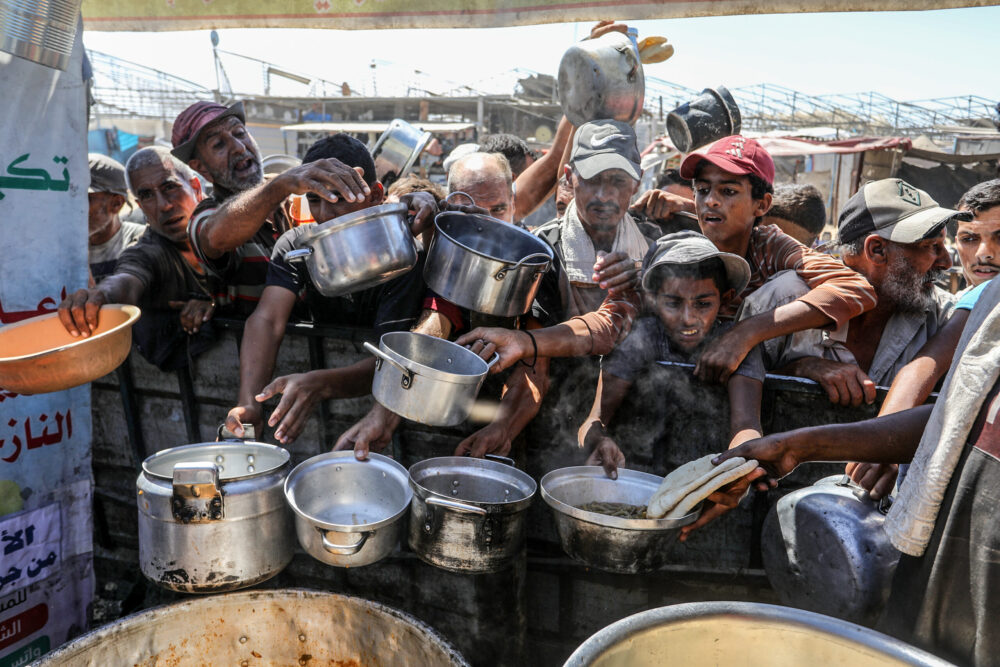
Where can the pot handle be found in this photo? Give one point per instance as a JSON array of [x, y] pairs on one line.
[[503, 272], [343, 549], [381, 356], [455, 505], [472, 202], [298, 255], [495, 358], [502, 459]]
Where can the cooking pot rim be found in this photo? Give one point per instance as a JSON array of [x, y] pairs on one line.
[[542, 245], [316, 232], [625, 476], [347, 458], [280, 451], [518, 478]]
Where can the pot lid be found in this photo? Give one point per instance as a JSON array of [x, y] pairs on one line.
[[316, 231], [491, 485], [236, 459], [566, 489]]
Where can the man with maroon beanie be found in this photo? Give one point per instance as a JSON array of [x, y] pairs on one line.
[[733, 185]]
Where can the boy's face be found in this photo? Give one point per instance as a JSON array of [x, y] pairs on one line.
[[323, 210], [978, 243], [687, 308], [726, 209]]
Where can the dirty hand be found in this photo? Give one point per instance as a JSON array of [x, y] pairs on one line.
[[616, 272], [721, 357], [373, 431], [194, 313], [422, 207], [511, 344], [604, 27], [78, 311], [299, 393], [329, 178], [777, 454], [245, 414], [469, 206], [608, 455], [491, 439], [723, 500], [845, 384], [878, 479], [660, 205]]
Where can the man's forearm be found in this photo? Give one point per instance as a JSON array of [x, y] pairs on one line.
[[258, 351], [782, 321], [236, 221], [537, 181], [889, 439], [121, 288], [525, 390], [744, 409], [351, 381]]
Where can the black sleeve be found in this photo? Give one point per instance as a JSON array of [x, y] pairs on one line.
[[139, 261], [281, 273], [400, 300]]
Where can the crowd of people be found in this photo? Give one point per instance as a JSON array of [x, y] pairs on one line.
[[744, 291]]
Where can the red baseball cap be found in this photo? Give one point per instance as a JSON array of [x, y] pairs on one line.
[[193, 120], [735, 154]]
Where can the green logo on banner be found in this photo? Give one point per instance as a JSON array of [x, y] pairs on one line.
[[26, 654]]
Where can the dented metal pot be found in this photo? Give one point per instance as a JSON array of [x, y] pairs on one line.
[[213, 516]]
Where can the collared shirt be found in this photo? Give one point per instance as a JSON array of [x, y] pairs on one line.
[[902, 338]]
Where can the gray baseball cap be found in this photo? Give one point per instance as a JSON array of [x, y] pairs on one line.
[[895, 210], [106, 175], [605, 144], [691, 248]]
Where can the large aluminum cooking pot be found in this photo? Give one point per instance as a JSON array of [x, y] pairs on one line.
[[397, 150], [825, 549], [358, 250], [602, 78], [610, 543], [468, 515], [282, 627], [213, 517], [741, 633], [349, 512], [426, 379], [485, 264]]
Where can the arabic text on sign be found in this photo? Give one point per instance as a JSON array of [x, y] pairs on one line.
[[27, 178], [36, 435], [26, 623]]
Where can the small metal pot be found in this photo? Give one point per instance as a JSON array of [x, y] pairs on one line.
[[397, 150], [602, 78], [212, 516], [614, 544], [485, 264], [468, 515], [825, 549], [349, 512], [426, 379], [358, 250]]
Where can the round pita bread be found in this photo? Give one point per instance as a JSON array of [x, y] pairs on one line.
[[691, 500], [684, 480]]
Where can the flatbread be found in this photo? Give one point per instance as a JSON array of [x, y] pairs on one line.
[[691, 500], [683, 480]]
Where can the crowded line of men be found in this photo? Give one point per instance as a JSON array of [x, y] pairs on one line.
[[745, 295]]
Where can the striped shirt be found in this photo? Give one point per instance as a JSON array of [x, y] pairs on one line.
[[835, 290]]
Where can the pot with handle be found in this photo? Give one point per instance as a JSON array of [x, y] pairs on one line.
[[469, 515], [426, 379], [484, 264], [213, 517], [358, 250], [397, 150], [602, 78]]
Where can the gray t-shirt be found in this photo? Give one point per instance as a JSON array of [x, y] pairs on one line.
[[103, 257]]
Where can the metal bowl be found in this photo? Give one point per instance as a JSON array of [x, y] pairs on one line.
[[397, 150], [614, 544], [349, 512], [40, 356], [739, 633]]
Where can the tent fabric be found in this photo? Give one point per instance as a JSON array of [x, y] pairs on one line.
[[157, 15]]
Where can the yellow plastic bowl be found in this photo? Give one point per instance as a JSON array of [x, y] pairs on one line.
[[38, 355]]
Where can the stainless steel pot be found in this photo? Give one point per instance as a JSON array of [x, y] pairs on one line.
[[614, 544], [349, 512], [825, 549], [739, 633], [212, 516], [358, 250], [281, 627], [602, 78], [426, 379], [397, 150], [468, 515], [485, 264]]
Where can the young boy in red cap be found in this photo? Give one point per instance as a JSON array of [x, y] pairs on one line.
[[733, 185]]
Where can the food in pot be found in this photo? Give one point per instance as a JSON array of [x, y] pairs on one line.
[[622, 510]]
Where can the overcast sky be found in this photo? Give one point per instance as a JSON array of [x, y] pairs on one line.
[[905, 55]]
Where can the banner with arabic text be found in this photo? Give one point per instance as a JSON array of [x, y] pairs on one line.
[[46, 527], [156, 15]]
